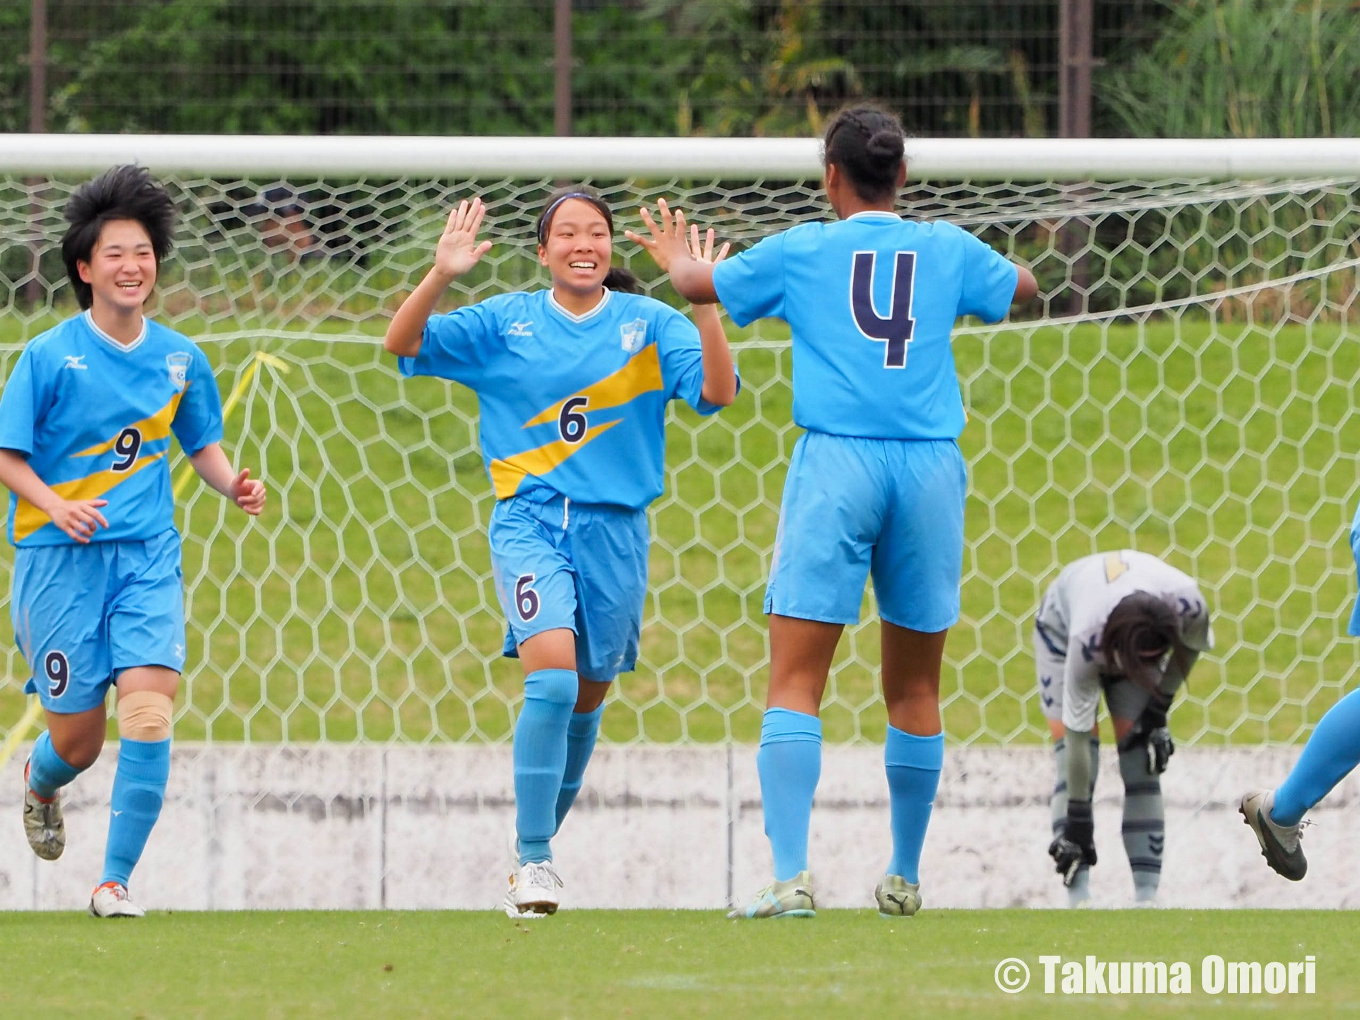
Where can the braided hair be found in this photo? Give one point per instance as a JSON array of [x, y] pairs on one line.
[[867, 144]]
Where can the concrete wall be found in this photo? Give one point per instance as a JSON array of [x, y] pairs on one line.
[[409, 827]]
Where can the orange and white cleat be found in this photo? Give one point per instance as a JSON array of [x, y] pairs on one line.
[[43, 823], [112, 900]]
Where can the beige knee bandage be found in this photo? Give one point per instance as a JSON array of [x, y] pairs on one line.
[[144, 715]]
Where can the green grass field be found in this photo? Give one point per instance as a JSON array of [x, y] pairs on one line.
[[646, 964], [361, 606]]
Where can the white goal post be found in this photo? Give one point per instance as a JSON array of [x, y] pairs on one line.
[[1055, 159]]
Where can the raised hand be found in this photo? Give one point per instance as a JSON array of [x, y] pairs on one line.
[[704, 252], [79, 518], [458, 249], [666, 242]]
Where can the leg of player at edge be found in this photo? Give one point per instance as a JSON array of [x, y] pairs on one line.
[[1331, 754], [1276, 816]]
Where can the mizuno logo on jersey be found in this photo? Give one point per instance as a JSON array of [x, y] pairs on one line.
[[76, 361], [520, 328], [632, 335]]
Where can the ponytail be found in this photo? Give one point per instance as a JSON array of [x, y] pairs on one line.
[[622, 279]]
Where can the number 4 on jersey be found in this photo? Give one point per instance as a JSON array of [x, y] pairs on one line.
[[897, 327]]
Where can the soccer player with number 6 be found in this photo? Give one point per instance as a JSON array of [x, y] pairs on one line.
[[85, 423], [573, 383], [875, 486]]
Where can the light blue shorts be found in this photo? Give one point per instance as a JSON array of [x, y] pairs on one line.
[[84, 613], [582, 567], [852, 508]]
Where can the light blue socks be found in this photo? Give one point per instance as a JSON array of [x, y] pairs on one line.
[[1330, 754], [581, 733], [138, 791], [47, 772], [913, 764], [540, 755], [789, 763]]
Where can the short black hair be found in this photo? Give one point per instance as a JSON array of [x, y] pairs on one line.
[[125, 192], [867, 143], [1141, 635], [617, 278]]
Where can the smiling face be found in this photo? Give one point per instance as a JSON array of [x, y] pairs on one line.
[[578, 247], [122, 267]]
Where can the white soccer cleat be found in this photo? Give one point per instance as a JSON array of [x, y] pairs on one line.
[[510, 903], [112, 900], [43, 823], [534, 891]]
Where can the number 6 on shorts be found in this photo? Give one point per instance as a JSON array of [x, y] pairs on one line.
[[526, 599]]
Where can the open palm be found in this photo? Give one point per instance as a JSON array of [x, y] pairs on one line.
[[458, 249]]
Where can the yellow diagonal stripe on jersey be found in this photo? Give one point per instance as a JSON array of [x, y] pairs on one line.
[[641, 375], [506, 475], [155, 427], [28, 518]]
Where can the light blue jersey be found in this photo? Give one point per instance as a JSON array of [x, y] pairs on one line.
[[571, 405], [871, 301], [94, 418]]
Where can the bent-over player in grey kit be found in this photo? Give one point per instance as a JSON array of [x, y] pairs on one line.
[[1132, 626]]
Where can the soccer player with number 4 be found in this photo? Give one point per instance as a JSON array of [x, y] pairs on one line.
[[875, 486], [1130, 626], [85, 423], [573, 383]]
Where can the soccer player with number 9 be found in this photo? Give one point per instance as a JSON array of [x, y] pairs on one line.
[[875, 486], [86, 418], [572, 383]]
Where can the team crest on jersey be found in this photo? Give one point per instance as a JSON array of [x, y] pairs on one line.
[[632, 335], [178, 364]]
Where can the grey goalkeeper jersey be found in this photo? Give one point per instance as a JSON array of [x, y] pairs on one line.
[[1073, 612]]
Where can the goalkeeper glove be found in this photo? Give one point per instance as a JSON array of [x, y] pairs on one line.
[[1160, 748], [1151, 731], [1075, 845]]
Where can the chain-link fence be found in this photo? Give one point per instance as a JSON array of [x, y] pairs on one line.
[[635, 67]]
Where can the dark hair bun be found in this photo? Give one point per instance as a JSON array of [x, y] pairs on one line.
[[867, 143], [885, 147]]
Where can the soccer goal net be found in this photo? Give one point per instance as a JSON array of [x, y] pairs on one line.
[[1185, 387]]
